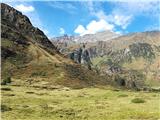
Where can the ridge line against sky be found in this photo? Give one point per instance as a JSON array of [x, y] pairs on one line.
[[56, 18]]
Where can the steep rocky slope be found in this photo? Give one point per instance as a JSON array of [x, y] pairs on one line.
[[137, 52], [31, 59], [133, 57]]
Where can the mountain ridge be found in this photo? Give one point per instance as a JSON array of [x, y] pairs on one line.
[[125, 53], [29, 58]]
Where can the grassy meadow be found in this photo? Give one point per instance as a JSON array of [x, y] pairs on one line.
[[29, 103]]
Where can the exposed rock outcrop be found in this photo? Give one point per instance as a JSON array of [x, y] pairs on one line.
[[15, 21], [133, 52]]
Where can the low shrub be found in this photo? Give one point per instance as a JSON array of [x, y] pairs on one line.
[[4, 108], [123, 95], [138, 100], [6, 81], [30, 92], [41, 73], [9, 94], [6, 89]]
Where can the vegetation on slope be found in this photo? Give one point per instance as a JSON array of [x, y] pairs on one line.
[[28, 55]]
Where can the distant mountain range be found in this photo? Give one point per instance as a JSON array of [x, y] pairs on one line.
[[137, 53]]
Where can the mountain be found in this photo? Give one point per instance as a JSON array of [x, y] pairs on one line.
[[100, 36], [30, 58], [63, 42], [66, 44], [138, 52], [132, 57], [66, 41]]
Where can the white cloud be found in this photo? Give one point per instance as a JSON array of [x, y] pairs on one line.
[[67, 7], [144, 8], [97, 26], [122, 20], [62, 31], [100, 14], [25, 8], [94, 27], [124, 11], [115, 18], [119, 32], [80, 29]]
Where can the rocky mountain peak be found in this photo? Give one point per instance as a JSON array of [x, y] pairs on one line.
[[14, 18], [14, 21]]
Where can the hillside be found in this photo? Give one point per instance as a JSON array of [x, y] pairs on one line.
[[131, 60], [138, 52], [29, 58], [133, 57]]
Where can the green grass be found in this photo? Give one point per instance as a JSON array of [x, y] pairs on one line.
[[6, 43], [30, 103], [98, 60]]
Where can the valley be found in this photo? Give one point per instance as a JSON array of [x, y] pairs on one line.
[[102, 103], [100, 76]]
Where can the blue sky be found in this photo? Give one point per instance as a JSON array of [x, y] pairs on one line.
[[56, 18]]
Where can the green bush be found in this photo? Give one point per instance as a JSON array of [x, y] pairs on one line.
[[123, 95], [4, 108], [5, 81], [41, 73], [138, 100], [6, 89]]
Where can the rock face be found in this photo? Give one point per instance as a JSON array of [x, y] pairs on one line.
[[63, 42], [13, 20], [133, 57], [78, 52], [70, 45], [81, 56], [134, 52]]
